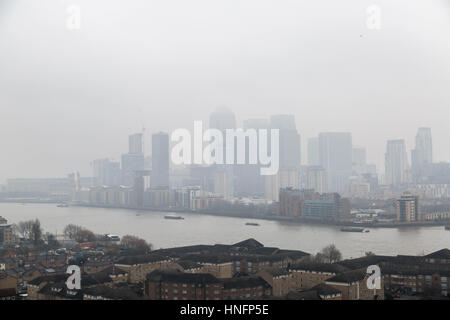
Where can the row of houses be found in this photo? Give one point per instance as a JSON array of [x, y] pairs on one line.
[[244, 270]]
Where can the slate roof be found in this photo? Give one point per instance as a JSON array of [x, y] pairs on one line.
[[440, 254], [349, 276], [180, 277], [141, 259], [319, 267], [244, 282]]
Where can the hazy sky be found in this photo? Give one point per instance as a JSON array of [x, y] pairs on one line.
[[70, 96]]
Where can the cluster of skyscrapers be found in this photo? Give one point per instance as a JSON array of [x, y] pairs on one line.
[[398, 172], [334, 164]]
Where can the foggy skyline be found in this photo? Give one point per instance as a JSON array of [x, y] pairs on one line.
[[69, 97]]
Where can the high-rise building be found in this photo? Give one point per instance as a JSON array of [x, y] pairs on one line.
[[289, 140], [408, 208], [221, 185], [222, 119], [316, 179], [422, 155], [160, 160], [359, 160], [106, 172], [249, 181], [289, 157], [135, 143], [335, 156], [313, 151], [132, 161], [396, 163]]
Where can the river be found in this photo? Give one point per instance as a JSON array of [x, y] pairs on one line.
[[206, 229]]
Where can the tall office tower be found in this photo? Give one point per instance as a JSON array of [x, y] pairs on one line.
[[249, 181], [132, 161], [135, 143], [316, 179], [359, 161], [283, 179], [222, 119], [106, 172], [396, 163], [289, 157], [221, 185], [422, 155], [313, 151], [335, 156], [159, 177], [289, 141], [408, 208]]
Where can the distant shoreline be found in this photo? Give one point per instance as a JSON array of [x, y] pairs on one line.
[[256, 217]]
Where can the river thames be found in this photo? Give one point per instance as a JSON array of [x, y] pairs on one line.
[[206, 229]]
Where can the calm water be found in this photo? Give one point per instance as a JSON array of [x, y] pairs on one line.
[[203, 229]]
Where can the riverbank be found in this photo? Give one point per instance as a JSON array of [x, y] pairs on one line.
[[299, 220], [211, 228], [245, 215]]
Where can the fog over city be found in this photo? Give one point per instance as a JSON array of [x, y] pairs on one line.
[[272, 151], [70, 96]]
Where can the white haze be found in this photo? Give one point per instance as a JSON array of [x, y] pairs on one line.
[[68, 97]]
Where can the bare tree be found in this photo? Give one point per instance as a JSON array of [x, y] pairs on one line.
[[30, 230], [23, 228], [329, 254], [36, 231], [71, 231], [78, 233], [85, 235], [135, 243], [51, 240]]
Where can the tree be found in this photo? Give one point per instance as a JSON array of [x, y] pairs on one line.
[[23, 228], [135, 243], [30, 230], [36, 231], [78, 233], [51, 240], [329, 254], [85, 235], [369, 253], [71, 231]]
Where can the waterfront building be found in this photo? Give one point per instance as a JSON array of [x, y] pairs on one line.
[[408, 208]]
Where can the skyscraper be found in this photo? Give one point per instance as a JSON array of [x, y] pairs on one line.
[[396, 163], [222, 119], [135, 143], [359, 160], [249, 181], [422, 155], [335, 156], [289, 141], [316, 179], [132, 161], [313, 151], [160, 160], [106, 172]]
